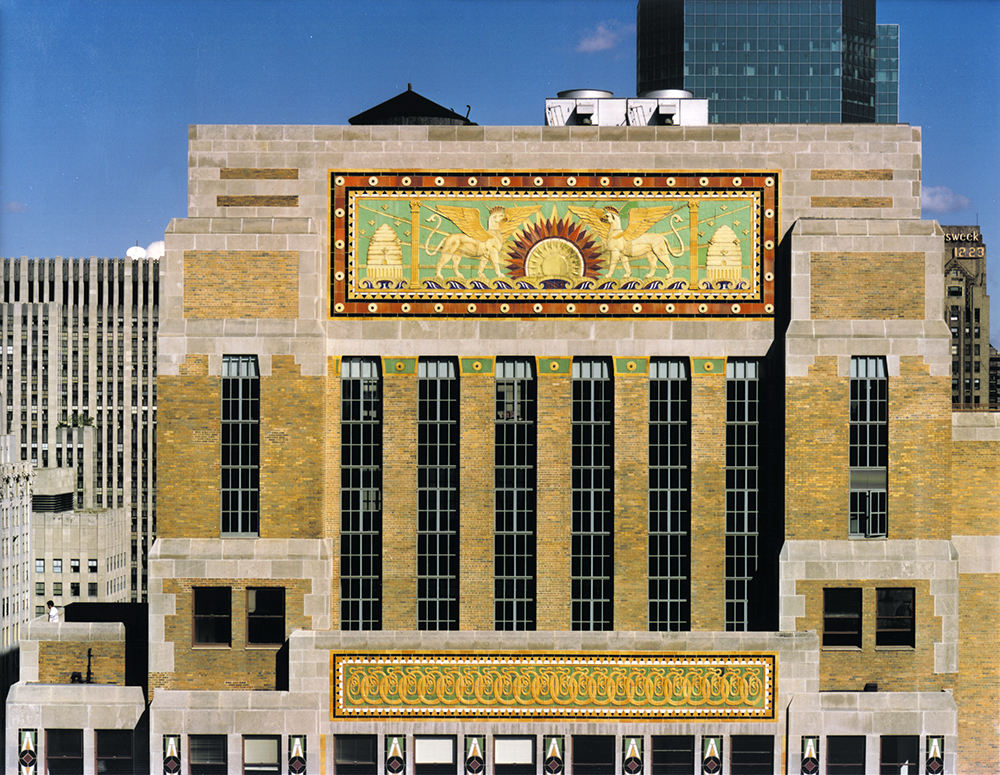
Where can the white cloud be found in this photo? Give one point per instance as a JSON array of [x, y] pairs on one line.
[[15, 207], [606, 36], [941, 199]]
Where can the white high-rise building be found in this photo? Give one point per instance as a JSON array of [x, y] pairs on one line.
[[79, 351]]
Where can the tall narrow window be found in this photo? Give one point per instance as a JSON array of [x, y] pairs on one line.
[[361, 495], [240, 445], [669, 496], [742, 446], [437, 494], [869, 447], [895, 621], [591, 547], [514, 509]]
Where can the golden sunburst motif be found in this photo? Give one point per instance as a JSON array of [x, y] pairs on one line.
[[554, 247]]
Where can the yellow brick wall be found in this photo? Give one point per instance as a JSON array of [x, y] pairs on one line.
[[974, 486], [221, 284], [708, 501], [631, 510], [867, 286], [554, 501], [187, 465], [816, 453], [240, 667], [894, 670], [399, 501], [977, 693], [58, 660], [291, 451], [476, 478]]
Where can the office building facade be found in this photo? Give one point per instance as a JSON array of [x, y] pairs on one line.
[[79, 360], [586, 451], [967, 309], [778, 62]]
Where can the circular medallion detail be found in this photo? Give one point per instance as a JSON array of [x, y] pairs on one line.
[[769, 213], [571, 308], [372, 181], [768, 276], [670, 308], [768, 245], [735, 308], [604, 308], [504, 181], [405, 308], [471, 308], [636, 181], [473, 181], [630, 365], [339, 181], [605, 181], [373, 307], [709, 366], [538, 181], [769, 308], [768, 182], [637, 308], [570, 181], [339, 212], [339, 277], [537, 308], [703, 181], [439, 307], [477, 366], [406, 181], [737, 181], [553, 365], [671, 182], [703, 308], [338, 307], [399, 366], [438, 181], [505, 308], [554, 257], [339, 244]]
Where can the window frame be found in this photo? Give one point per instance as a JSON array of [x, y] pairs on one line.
[[261, 767], [345, 765], [855, 635], [900, 742], [119, 763], [208, 767], [662, 758], [893, 637], [64, 759], [515, 439], [207, 616], [256, 620], [239, 446], [841, 747], [868, 448]]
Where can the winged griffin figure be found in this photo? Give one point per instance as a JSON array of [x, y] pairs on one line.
[[635, 240], [475, 241]]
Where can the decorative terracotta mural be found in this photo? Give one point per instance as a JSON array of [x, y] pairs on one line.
[[542, 686], [581, 244]]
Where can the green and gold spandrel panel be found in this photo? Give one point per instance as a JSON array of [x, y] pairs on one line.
[[526, 244], [661, 687]]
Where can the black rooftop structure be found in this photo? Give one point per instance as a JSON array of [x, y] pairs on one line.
[[409, 108]]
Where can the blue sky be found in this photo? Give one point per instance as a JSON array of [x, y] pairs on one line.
[[96, 95]]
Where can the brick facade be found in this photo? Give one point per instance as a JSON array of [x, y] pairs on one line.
[[226, 284], [866, 286], [59, 660]]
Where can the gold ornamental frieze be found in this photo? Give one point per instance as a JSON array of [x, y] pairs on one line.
[[536, 686], [553, 244]]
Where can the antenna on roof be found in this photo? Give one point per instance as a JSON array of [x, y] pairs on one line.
[[468, 110], [409, 87]]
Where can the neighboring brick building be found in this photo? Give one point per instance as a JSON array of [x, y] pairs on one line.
[[595, 448]]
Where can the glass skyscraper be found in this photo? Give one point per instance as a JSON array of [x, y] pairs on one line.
[[782, 61]]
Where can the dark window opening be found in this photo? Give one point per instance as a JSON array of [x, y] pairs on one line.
[[751, 755], [842, 617], [898, 751], [213, 616], [266, 615], [672, 755], [64, 751], [114, 751], [895, 617], [207, 754], [356, 754], [593, 754], [845, 755]]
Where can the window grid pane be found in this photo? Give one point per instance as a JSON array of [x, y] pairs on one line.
[[437, 494], [869, 447], [361, 495], [514, 505], [592, 540], [742, 447], [240, 454], [669, 497]]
